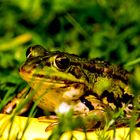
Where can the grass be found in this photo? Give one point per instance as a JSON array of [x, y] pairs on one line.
[[105, 29], [67, 123]]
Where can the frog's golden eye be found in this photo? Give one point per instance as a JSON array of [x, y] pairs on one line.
[[35, 51], [62, 62]]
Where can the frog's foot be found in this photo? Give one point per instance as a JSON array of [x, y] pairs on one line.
[[11, 106], [94, 119], [52, 120], [48, 118], [51, 126]]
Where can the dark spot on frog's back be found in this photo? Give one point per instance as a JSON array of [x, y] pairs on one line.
[[104, 94], [89, 67], [76, 72], [111, 99], [87, 103], [126, 98], [106, 69], [97, 66]]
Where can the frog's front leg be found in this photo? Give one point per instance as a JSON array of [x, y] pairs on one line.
[[10, 106], [94, 119], [91, 121], [93, 112]]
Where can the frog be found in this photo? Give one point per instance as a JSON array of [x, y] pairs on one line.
[[92, 88]]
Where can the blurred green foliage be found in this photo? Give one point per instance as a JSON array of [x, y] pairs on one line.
[[106, 29]]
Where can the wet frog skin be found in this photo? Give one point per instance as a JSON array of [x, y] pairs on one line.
[[89, 87]]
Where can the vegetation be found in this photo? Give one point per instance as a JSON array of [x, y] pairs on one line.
[[109, 30]]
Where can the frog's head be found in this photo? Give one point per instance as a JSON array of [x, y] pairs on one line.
[[60, 75], [52, 67]]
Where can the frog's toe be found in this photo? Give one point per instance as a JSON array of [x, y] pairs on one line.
[[51, 126]]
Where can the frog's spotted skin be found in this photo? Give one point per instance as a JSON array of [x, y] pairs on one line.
[[90, 87]]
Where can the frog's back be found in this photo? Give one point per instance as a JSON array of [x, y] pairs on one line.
[[109, 83]]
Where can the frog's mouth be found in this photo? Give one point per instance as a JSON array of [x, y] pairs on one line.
[[53, 79], [48, 81], [30, 76]]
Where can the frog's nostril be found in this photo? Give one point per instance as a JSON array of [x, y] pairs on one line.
[[21, 69], [25, 69]]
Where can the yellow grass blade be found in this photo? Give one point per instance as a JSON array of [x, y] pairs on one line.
[[35, 130]]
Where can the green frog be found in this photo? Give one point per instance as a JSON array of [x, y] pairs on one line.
[[89, 87]]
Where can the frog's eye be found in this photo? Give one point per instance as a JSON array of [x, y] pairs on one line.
[[35, 51], [28, 52], [62, 62]]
